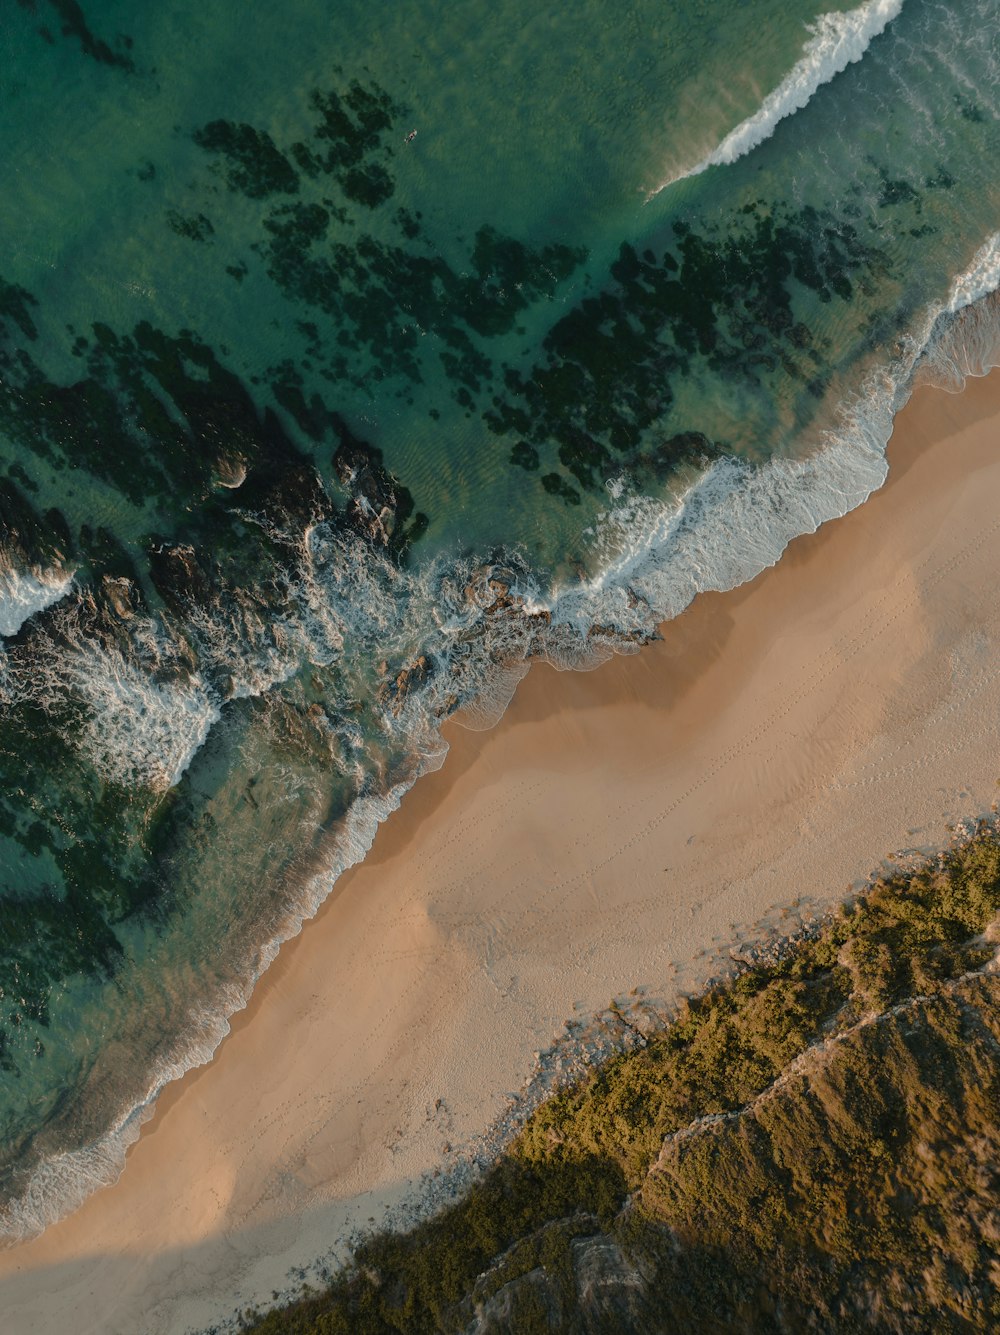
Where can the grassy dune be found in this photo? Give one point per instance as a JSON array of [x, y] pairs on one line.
[[812, 1145]]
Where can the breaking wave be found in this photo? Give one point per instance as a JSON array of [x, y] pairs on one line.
[[140, 731], [736, 519], [23, 593], [980, 279], [837, 40], [966, 337]]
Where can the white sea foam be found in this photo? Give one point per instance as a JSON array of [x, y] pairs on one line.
[[23, 593], [140, 731], [145, 713], [965, 338], [965, 344], [737, 519], [980, 279], [243, 649], [836, 41], [61, 1183]]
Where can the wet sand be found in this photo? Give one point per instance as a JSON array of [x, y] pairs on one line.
[[620, 829]]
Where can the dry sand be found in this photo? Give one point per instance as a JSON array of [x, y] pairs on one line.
[[619, 829]]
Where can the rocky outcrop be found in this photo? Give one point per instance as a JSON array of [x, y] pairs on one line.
[[179, 576], [395, 690], [531, 1298], [858, 1192], [587, 1285], [26, 539], [380, 507]]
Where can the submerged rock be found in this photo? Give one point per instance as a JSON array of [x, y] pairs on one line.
[[395, 692]]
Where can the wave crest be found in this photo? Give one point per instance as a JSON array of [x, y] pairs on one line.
[[838, 40]]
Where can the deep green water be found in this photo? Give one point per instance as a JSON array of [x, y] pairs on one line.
[[311, 431]]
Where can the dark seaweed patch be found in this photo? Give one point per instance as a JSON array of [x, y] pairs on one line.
[[370, 185], [159, 416], [18, 474], [151, 416], [408, 223], [64, 926], [724, 299], [524, 455], [254, 166], [74, 24], [894, 192], [556, 485], [381, 296], [196, 227], [301, 223], [941, 180], [347, 134], [349, 129], [15, 304], [969, 111]]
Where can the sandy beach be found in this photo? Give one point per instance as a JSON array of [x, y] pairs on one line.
[[620, 829]]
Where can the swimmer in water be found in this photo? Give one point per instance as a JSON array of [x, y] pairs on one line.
[[410, 137]]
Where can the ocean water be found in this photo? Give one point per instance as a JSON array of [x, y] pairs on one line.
[[313, 429]]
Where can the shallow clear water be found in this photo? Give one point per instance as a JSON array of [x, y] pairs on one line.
[[313, 430]]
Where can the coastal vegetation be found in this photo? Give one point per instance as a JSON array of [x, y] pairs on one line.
[[811, 1143]]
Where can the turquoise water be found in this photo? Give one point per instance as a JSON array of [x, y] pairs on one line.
[[314, 429]]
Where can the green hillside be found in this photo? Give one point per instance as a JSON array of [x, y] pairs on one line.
[[814, 1145]]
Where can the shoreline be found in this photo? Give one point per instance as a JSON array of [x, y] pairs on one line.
[[619, 828]]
